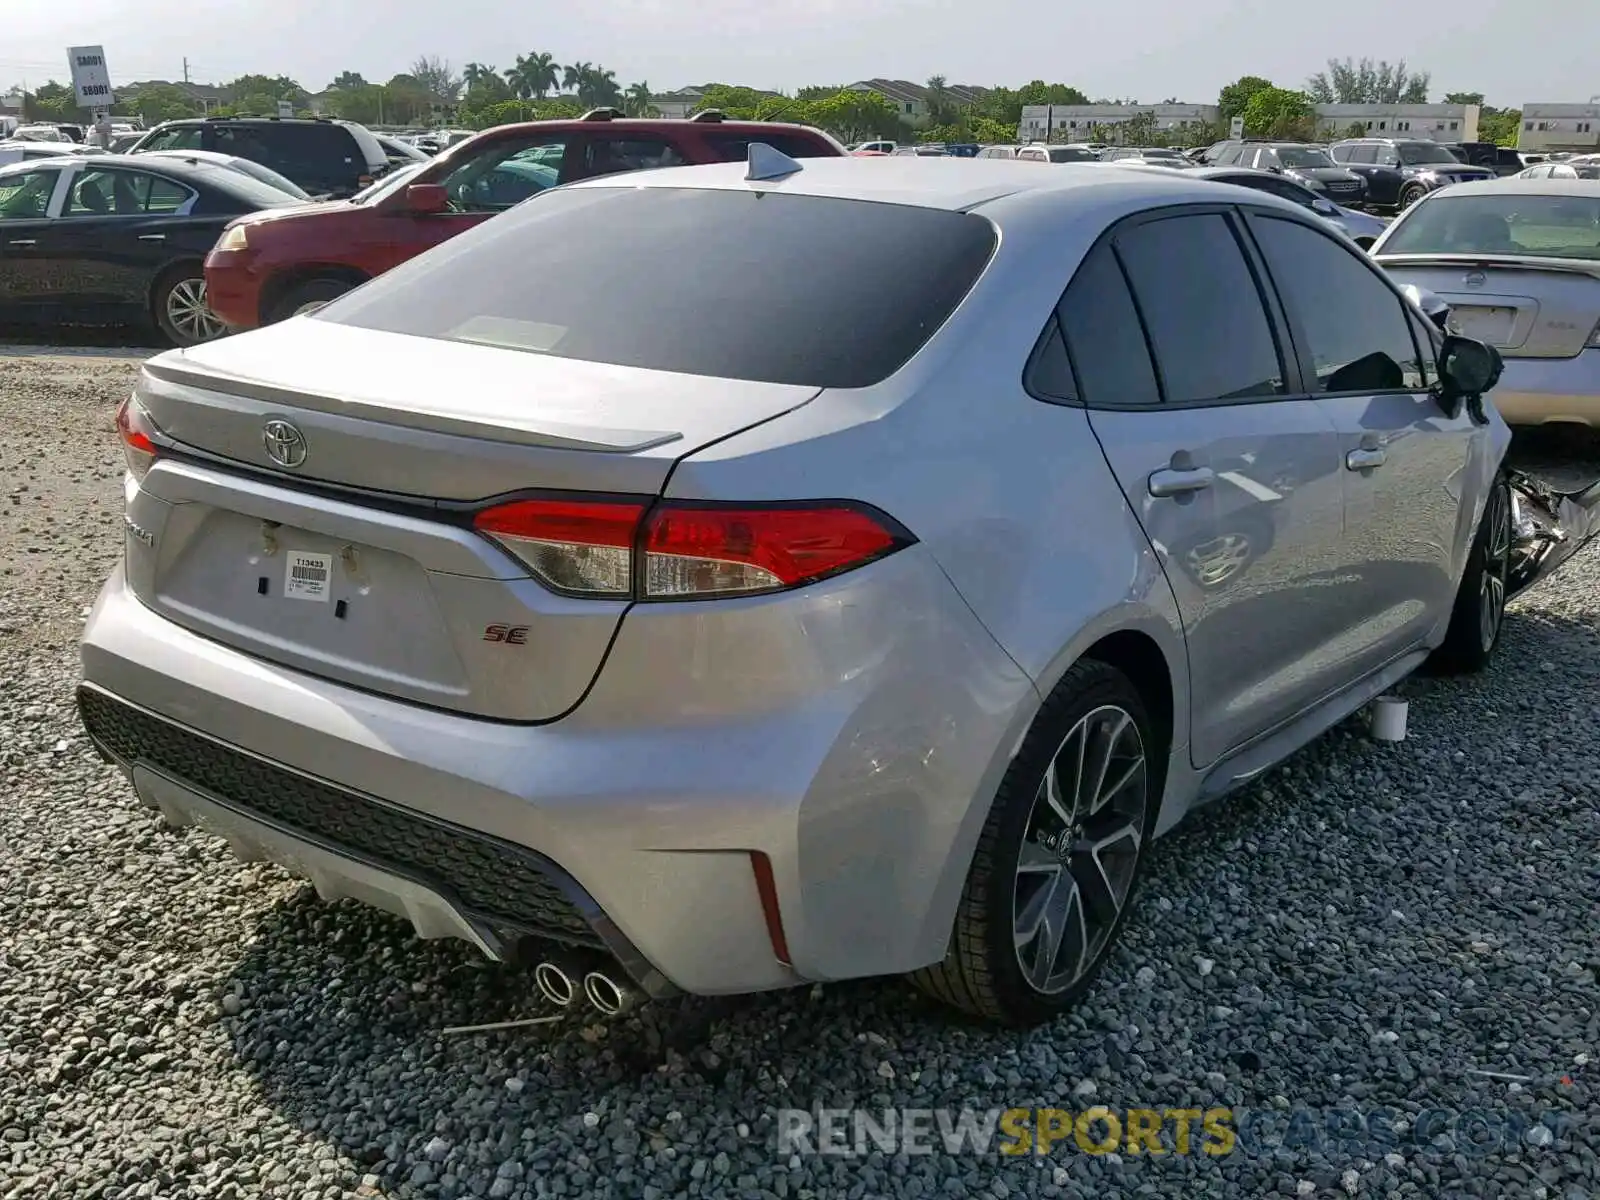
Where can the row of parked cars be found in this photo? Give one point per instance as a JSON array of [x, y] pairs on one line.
[[789, 568]]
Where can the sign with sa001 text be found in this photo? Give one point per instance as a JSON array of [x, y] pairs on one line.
[[91, 81]]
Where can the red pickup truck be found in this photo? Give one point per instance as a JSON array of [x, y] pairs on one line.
[[272, 265]]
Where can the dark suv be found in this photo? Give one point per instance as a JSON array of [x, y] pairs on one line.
[[264, 271], [326, 158], [1399, 172], [1502, 160], [1309, 165]]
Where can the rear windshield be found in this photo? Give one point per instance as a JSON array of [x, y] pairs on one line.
[[247, 187], [1546, 226], [762, 286]]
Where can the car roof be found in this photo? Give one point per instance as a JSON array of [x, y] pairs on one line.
[[956, 184], [655, 124], [250, 120], [160, 164], [1514, 186]]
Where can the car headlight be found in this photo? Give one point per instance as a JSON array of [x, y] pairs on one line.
[[234, 238]]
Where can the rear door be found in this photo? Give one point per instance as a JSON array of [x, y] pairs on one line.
[[1233, 472], [115, 232], [1409, 468]]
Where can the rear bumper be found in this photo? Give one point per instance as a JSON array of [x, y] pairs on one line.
[[1539, 391], [604, 830], [233, 287]]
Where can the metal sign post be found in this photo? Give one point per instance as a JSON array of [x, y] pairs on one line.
[[91, 86]]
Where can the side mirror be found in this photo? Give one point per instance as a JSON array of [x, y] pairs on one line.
[[1467, 369], [426, 199]]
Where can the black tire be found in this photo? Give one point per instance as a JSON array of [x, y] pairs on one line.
[[177, 305], [1480, 608], [982, 972], [1410, 194], [307, 297]]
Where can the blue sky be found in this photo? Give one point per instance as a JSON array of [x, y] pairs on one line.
[[1531, 50]]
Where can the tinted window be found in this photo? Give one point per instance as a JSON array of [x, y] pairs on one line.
[[506, 172], [1419, 153], [608, 156], [1300, 157], [1358, 329], [759, 285], [26, 195], [735, 147], [1227, 156], [124, 194], [1049, 372], [317, 157], [1107, 345], [1206, 350]]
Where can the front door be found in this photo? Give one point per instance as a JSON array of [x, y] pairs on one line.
[[1234, 476], [26, 283], [1368, 360]]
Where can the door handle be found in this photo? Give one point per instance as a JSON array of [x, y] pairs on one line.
[[23, 242], [152, 237], [1365, 459], [1171, 481]]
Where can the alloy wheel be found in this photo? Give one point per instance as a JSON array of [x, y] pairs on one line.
[[190, 315], [1496, 566], [1080, 849]]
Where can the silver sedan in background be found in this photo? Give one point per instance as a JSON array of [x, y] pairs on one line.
[[1518, 261]]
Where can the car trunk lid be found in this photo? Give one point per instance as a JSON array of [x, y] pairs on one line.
[[359, 563], [1525, 306]]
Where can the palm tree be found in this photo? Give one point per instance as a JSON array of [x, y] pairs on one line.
[[534, 77], [575, 78], [603, 87], [637, 101], [475, 73]]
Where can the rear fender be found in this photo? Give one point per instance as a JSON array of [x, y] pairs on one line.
[[1548, 528]]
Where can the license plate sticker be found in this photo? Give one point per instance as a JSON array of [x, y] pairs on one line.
[[1492, 325], [307, 576]]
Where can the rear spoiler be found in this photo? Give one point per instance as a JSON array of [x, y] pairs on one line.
[[1547, 528]]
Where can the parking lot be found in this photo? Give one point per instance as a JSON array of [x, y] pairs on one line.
[[1408, 928]]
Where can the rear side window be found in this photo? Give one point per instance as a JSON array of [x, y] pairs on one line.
[[763, 286], [735, 147], [1104, 339], [322, 155], [1177, 268], [1360, 337]]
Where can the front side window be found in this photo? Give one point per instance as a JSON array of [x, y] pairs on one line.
[[1205, 351], [1299, 157], [25, 196], [1566, 226], [184, 137], [1356, 326], [809, 290], [505, 173]]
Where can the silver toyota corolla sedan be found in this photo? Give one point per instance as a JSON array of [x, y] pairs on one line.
[[1518, 261], [723, 578]]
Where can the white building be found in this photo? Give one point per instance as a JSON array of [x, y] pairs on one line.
[[1419, 122], [1091, 122], [1559, 127]]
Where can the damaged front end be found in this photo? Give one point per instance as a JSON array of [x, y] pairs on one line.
[[1547, 527]]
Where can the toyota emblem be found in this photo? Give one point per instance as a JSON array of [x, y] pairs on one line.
[[285, 444]]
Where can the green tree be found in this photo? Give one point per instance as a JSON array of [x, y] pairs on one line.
[[434, 74], [52, 102], [1367, 82], [1463, 98], [1280, 113], [157, 102], [1235, 98], [1502, 126], [636, 101], [941, 105], [1139, 129], [348, 79], [740, 103], [534, 77], [852, 116]]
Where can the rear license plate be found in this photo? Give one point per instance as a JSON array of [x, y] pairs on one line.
[[307, 576], [1492, 325]]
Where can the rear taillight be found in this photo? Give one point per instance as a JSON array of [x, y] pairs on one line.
[[136, 429], [626, 549]]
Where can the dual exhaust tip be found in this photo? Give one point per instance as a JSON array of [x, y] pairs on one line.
[[562, 984]]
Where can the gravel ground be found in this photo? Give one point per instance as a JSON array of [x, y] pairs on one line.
[[1369, 926]]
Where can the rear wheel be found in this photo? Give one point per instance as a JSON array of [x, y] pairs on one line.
[[180, 309], [309, 296], [1059, 858], [1480, 609]]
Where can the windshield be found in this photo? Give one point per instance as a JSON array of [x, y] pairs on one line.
[[1414, 154], [1158, 152], [1303, 156], [1549, 226], [809, 290], [389, 184]]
